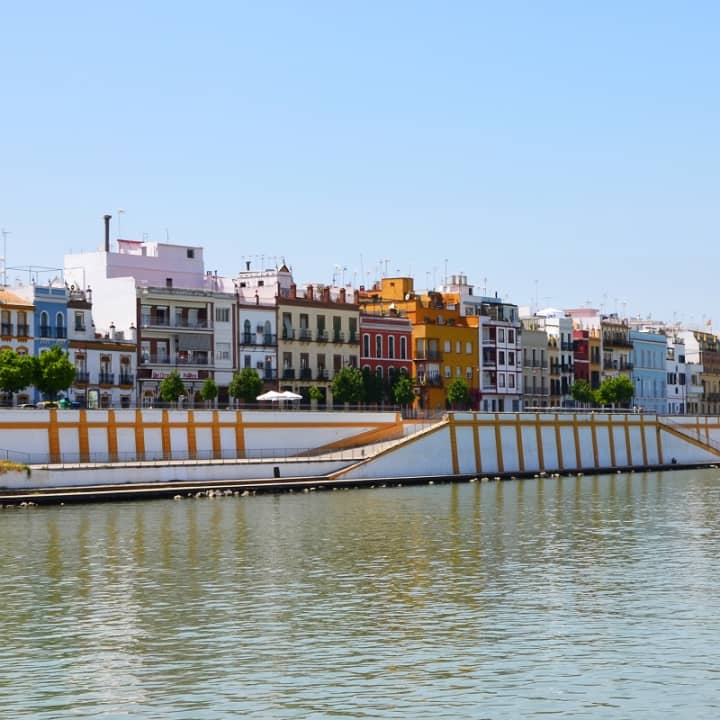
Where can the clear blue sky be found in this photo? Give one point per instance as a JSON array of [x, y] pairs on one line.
[[567, 151]]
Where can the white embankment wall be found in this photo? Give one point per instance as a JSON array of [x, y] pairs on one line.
[[506, 443], [235, 445]]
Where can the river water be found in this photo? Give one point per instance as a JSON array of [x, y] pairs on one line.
[[577, 597]]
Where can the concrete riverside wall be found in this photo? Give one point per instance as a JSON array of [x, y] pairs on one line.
[[501, 443], [70, 436]]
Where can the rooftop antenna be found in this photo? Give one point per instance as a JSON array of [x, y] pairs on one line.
[[4, 234]]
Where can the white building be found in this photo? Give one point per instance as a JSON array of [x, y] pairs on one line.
[[183, 314], [105, 361]]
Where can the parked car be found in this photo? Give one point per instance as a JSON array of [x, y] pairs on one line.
[[45, 404]]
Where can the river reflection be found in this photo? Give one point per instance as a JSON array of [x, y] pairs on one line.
[[588, 597]]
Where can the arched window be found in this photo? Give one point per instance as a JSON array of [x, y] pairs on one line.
[[391, 346], [378, 346], [366, 345], [403, 348], [268, 328], [44, 324], [60, 325], [379, 371], [247, 332]]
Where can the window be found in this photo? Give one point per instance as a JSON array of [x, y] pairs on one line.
[[168, 282], [458, 347], [391, 346], [366, 345], [190, 253], [501, 357], [511, 381], [511, 358], [468, 348], [501, 380], [468, 373], [379, 371], [44, 326], [511, 337], [446, 346], [458, 372], [79, 321], [247, 361], [403, 348], [501, 335], [222, 351], [378, 346], [222, 314], [448, 371]]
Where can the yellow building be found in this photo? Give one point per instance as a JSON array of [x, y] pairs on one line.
[[444, 343]]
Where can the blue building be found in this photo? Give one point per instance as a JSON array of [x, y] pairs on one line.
[[50, 317], [649, 370]]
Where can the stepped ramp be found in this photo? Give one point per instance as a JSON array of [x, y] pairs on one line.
[[381, 449], [685, 433]]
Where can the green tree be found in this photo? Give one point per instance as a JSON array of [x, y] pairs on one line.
[[624, 390], [403, 391], [458, 392], [53, 371], [16, 371], [172, 387], [348, 386], [581, 392], [616, 391], [209, 391], [373, 387], [315, 393], [245, 385]]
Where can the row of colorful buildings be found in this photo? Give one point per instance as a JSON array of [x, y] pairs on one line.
[[130, 316]]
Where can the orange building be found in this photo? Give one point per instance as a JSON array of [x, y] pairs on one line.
[[444, 343]]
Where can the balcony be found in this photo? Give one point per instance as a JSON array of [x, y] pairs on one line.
[[305, 374], [269, 374], [354, 339], [288, 374], [61, 333], [23, 330], [106, 378], [338, 336], [322, 374], [434, 355], [288, 333], [192, 359], [6, 329], [191, 325], [247, 339], [267, 340], [305, 335], [126, 379], [82, 377], [322, 336]]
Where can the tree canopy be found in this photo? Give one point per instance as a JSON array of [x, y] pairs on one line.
[[16, 371], [53, 371], [348, 386], [172, 387], [458, 392], [403, 391], [582, 392], [246, 385], [209, 390], [616, 391]]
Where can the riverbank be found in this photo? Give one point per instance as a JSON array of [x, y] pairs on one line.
[[363, 450]]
